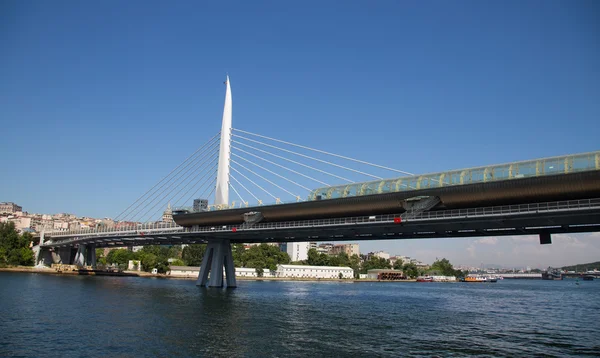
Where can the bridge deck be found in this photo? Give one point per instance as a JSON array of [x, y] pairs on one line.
[[551, 217]]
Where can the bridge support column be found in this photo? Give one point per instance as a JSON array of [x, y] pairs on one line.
[[39, 251], [64, 255], [80, 256], [45, 258], [218, 256], [90, 256]]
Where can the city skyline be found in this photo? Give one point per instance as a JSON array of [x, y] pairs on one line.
[[93, 131]]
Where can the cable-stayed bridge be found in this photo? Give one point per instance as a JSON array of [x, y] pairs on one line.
[[264, 189]]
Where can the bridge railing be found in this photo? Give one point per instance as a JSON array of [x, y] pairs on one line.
[[115, 228]]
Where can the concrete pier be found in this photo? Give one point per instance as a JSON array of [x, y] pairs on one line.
[[218, 256]]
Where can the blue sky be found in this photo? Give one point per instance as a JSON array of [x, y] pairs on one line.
[[99, 100]]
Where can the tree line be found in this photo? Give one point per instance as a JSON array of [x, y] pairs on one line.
[[14, 247], [259, 256], [583, 267], [364, 264]]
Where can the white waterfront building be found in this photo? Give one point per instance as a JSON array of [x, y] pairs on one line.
[[299, 271]]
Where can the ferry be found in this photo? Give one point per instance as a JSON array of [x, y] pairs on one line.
[[480, 278]]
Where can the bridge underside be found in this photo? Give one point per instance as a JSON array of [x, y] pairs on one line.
[[533, 219]]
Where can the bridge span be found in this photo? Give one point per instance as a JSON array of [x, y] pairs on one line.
[[543, 219]]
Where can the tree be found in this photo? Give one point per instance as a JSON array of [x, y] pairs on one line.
[[260, 272], [175, 252], [120, 256], [410, 270], [375, 262], [193, 254], [177, 262], [149, 262], [313, 257], [264, 256], [444, 267], [100, 258], [355, 265], [21, 256], [237, 250], [398, 264], [14, 248]]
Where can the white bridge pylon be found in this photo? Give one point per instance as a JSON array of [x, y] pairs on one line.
[[218, 256], [222, 189]]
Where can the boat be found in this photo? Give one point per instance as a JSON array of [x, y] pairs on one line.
[[424, 279], [552, 274], [480, 278]]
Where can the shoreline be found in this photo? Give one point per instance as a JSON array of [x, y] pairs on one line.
[[49, 271]]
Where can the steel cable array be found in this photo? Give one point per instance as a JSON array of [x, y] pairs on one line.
[[270, 170], [277, 169], [139, 210]]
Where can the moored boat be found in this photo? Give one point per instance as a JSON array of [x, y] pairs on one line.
[[424, 279], [480, 278]]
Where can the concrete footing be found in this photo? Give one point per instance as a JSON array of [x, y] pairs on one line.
[[218, 256]]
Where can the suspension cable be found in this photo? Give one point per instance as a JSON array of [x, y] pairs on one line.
[[176, 176], [324, 152], [177, 186], [292, 161], [281, 166], [272, 172], [160, 181], [243, 186], [237, 193], [251, 181], [194, 167], [213, 184], [212, 170], [307, 156], [265, 179], [192, 187], [163, 199]]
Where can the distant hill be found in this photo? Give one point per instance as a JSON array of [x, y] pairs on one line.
[[583, 267]]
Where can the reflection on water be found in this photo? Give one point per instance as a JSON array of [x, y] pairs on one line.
[[131, 317]]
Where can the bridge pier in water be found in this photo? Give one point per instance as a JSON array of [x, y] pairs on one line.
[[217, 257]]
